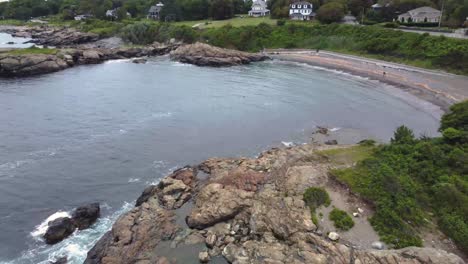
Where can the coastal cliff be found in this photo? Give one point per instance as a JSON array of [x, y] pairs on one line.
[[241, 211]]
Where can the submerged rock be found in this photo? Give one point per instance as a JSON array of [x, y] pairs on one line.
[[59, 229], [201, 54], [139, 61], [84, 216]]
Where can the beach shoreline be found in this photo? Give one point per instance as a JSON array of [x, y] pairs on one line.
[[437, 87]]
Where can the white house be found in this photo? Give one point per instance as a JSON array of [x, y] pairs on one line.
[[301, 11], [155, 11], [259, 8], [113, 13], [425, 14]]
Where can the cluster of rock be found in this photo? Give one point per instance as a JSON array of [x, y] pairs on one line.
[[52, 36], [82, 218], [201, 54], [13, 65], [246, 210]]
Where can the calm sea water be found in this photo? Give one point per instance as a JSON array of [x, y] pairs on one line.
[[17, 42], [103, 132]]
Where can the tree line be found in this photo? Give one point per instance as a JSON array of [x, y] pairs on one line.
[[176, 9]]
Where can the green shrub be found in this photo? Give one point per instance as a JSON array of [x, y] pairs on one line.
[[341, 219], [315, 197], [408, 177]]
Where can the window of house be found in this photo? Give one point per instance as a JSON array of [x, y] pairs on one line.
[[298, 6], [293, 6]]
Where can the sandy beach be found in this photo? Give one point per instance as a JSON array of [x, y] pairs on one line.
[[440, 88]]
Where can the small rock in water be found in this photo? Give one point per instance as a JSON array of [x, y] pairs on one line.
[[84, 216], [61, 260], [333, 236], [378, 245], [10, 43], [322, 130], [58, 230], [204, 257], [139, 61], [331, 142]]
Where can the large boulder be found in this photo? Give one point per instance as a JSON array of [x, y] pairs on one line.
[[84, 216], [30, 64], [202, 54], [58, 230], [215, 204]]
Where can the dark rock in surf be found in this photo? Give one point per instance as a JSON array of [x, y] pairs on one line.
[[331, 142], [61, 260], [58, 230], [84, 216]]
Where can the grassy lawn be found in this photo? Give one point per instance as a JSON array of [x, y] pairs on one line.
[[347, 156], [235, 22], [32, 50]]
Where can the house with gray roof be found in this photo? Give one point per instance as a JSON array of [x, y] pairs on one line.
[[259, 8], [425, 14], [301, 11], [155, 11]]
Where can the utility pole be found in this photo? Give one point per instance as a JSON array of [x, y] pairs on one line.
[[441, 12]]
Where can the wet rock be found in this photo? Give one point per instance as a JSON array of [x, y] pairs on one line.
[[10, 43], [84, 216], [204, 257], [58, 230], [61, 260], [139, 61], [322, 130], [378, 245], [202, 54], [215, 204], [333, 236], [331, 142]]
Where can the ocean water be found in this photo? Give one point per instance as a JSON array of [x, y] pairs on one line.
[[17, 42], [101, 133]]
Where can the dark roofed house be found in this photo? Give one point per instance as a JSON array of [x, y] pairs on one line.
[[301, 11], [155, 11]]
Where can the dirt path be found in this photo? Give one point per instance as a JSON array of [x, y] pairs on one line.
[[437, 87]]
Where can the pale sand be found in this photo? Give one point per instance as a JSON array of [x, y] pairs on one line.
[[440, 88]]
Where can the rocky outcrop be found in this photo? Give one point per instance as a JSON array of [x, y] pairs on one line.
[[17, 65], [266, 224], [201, 54], [82, 218], [86, 215], [58, 230], [52, 36]]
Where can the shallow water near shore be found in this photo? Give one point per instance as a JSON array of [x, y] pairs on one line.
[[15, 42], [101, 133]]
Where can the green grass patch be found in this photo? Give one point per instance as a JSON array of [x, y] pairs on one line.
[[32, 50], [235, 22], [341, 219], [348, 156]]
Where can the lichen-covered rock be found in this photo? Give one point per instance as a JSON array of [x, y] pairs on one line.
[[202, 54], [215, 204]]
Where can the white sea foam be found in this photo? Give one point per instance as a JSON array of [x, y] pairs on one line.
[[131, 180], [42, 228], [117, 61], [334, 129], [74, 247], [287, 144]]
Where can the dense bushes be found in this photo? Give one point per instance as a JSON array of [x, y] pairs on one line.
[[437, 52], [341, 219], [149, 32], [315, 197], [410, 177]]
